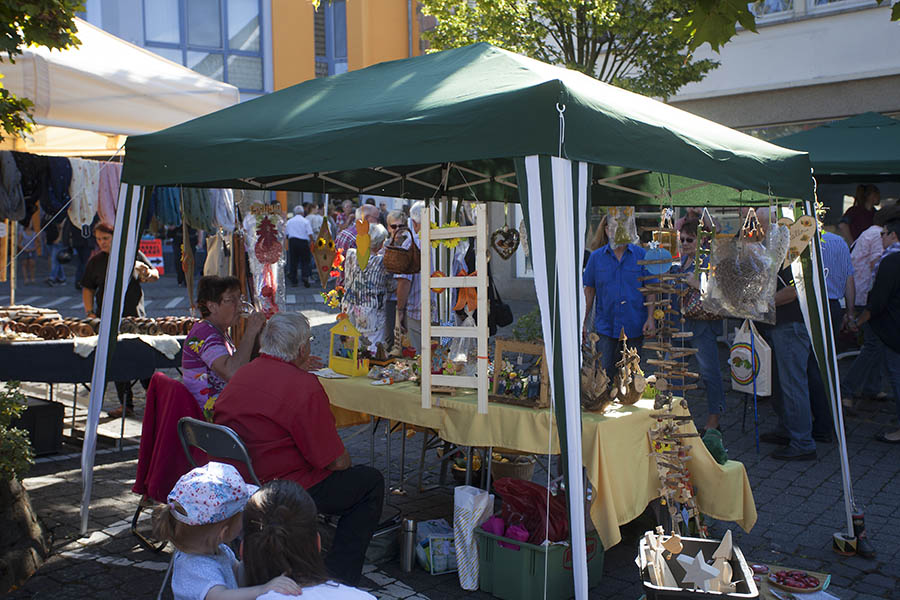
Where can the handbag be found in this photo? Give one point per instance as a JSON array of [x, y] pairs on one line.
[[400, 260], [692, 307], [499, 312]]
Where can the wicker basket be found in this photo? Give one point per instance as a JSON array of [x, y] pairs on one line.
[[518, 467], [400, 260]]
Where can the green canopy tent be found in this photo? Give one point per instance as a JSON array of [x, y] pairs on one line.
[[479, 123], [866, 146]]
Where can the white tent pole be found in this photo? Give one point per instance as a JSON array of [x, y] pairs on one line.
[[118, 274], [832, 379]]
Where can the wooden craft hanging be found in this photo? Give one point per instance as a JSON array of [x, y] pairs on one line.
[[666, 235], [705, 236], [323, 253], [505, 240]]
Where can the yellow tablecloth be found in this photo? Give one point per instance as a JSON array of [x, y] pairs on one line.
[[615, 447]]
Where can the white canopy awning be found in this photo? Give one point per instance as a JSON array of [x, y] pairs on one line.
[[103, 89]]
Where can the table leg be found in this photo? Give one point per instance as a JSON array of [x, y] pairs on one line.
[[387, 458], [468, 465], [375, 421], [74, 405], [487, 471]]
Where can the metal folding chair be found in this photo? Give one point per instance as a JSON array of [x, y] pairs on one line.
[[217, 441]]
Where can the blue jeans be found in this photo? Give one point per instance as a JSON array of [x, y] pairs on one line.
[[792, 348], [56, 269], [612, 352], [704, 340], [864, 378]]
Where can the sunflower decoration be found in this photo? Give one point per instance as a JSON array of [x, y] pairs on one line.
[[450, 242], [333, 297], [324, 253]]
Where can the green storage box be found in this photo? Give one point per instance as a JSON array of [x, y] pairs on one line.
[[519, 574]]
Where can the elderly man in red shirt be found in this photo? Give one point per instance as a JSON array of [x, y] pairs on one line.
[[283, 416]]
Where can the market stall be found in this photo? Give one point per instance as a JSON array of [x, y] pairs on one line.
[[475, 123], [624, 487]]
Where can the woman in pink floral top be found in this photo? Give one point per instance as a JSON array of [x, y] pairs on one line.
[[209, 357]]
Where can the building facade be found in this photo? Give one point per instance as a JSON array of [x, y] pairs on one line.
[[813, 61]]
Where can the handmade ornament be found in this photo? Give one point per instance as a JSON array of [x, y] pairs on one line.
[[629, 382], [344, 356], [505, 240], [801, 234], [323, 253], [620, 220], [666, 236], [706, 234], [595, 388], [696, 571], [467, 298], [721, 557], [363, 244], [264, 232], [743, 273], [657, 260]]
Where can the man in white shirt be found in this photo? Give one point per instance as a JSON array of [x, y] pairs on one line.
[[298, 232], [314, 218]]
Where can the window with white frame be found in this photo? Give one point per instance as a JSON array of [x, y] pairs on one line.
[[330, 38], [765, 8], [221, 39]]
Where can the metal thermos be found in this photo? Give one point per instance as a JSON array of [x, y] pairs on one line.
[[407, 545]]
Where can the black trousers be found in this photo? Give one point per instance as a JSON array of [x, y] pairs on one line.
[[299, 255], [356, 495], [823, 422]]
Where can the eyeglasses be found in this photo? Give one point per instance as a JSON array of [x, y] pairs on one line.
[[689, 240], [395, 226], [230, 300]]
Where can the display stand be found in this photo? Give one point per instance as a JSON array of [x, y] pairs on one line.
[[480, 282]]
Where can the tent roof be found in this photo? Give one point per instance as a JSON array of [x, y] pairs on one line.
[[386, 130], [867, 145], [109, 86]]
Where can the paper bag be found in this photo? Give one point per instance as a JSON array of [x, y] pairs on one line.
[[471, 508], [747, 342]]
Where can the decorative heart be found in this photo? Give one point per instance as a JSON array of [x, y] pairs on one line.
[[802, 232], [505, 241]]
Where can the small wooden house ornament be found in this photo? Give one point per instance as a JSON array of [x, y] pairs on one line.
[[343, 353]]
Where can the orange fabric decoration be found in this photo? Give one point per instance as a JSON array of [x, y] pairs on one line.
[[467, 298]]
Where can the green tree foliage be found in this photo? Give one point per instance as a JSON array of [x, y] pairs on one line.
[[715, 21], [16, 455], [630, 43], [40, 23]]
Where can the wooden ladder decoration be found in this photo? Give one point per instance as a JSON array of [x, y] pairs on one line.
[[479, 282]]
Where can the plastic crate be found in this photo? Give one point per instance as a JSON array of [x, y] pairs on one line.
[[519, 574]]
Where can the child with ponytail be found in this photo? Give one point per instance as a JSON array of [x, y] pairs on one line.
[[281, 536], [201, 516]]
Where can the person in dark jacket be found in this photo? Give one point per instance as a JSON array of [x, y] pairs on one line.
[[883, 310], [82, 246]]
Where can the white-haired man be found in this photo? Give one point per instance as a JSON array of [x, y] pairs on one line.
[[283, 416], [298, 232], [409, 290]]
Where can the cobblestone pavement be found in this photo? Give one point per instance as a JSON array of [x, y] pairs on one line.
[[800, 505]]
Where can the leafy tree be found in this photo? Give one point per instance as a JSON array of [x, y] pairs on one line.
[[715, 21], [16, 455], [633, 44], [47, 23]]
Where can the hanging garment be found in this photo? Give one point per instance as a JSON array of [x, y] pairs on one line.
[[223, 209], [197, 209], [218, 255], [35, 171], [165, 205], [60, 180], [84, 190], [12, 201], [108, 197]]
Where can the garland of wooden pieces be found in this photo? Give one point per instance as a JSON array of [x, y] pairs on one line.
[[666, 436], [705, 236]]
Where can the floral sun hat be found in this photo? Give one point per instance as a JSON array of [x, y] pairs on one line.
[[209, 494]]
